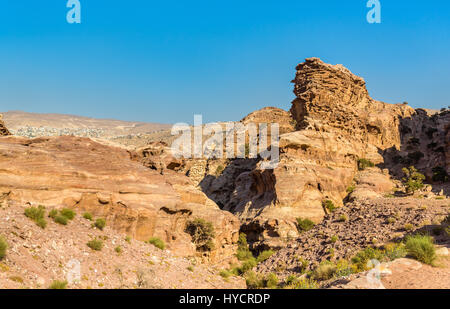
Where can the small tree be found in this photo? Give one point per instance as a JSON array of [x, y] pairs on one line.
[[413, 180], [202, 233]]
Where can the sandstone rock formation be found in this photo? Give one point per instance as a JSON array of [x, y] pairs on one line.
[[3, 130], [337, 123], [85, 175]]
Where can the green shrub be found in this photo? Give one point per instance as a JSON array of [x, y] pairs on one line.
[[421, 248], [334, 239], [95, 244], [343, 218], [128, 239], [271, 281], [61, 220], [157, 242], [395, 251], [254, 280], [324, 271], [343, 269], [88, 216], [408, 227], [68, 213], [391, 220], [413, 180], [3, 247], [225, 273], [118, 249], [202, 233], [264, 256], [243, 253], [304, 225], [350, 189], [361, 259], [247, 265], [37, 214], [219, 170], [329, 205], [100, 223], [53, 213], [293, 282], [364, 163], [58, 285]]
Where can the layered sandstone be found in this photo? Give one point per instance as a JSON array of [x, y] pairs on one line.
[[83, 174], [337, 123]]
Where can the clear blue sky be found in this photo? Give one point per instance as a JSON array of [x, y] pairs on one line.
[[163, 61]]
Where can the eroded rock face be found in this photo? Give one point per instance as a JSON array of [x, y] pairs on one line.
[[80, 173], [3, 130], [337, 123]]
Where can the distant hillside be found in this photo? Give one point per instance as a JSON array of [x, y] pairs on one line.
[[34, 124]]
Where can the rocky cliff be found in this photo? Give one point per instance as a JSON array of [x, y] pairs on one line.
[[85, 175], [337, 123]]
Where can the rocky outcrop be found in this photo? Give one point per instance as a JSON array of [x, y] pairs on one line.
[[424, 144], [85, 175], [272, 115], [3, 130], [337, 123]]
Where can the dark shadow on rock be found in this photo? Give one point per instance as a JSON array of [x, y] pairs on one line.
[[425, 141]]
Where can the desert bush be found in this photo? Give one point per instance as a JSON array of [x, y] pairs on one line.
[[344, 269], [118, 249], [293, 282], [95, 244], [219, 170], [350, 189], [254, 280], [264, 256], [324, 271], [329, 205], [343, 218], [408, 227], [361, 259], [394, 251], [271, 281], [61, 220], [304, 225], [243, 252], [225, 273], [157, 242], [334, 239], [202, 233], [53, 213], [88, 216], [37, 214], [413, 180], [3, 247], [421, 248], [58, 285], [100, 223], [68, 213], [364, 163], [391, 220]]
